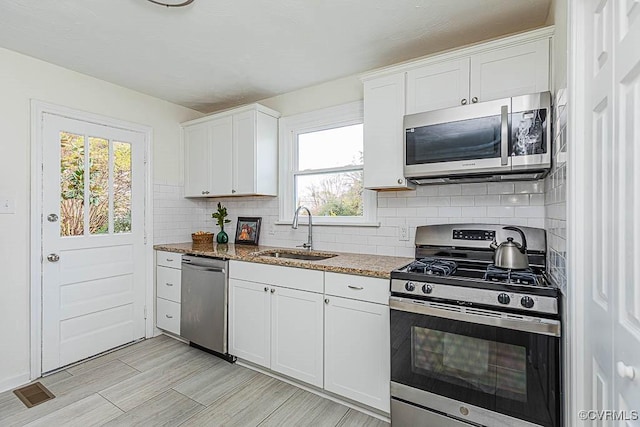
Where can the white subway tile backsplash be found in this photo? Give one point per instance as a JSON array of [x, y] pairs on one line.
[[449, 212], [474, 189], [514, 199], [462, 201], [398, 202], [439, 201], [500, 188], [530, 211], [474, 211], [501, 211], [490, 200], [529, 187], [449, 190]]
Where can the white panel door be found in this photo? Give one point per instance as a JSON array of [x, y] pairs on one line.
[[626, 186], [357, 351], [607, 215], [220, 162], [249, 321], [197, 160], [436, 86], [244, 153], [297, 334], [93, 284], [511, 71]]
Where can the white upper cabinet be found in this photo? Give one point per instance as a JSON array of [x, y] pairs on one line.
[[233, 153], [510, 71], [511, 66], [383, 115], [441, 85], [492, 74]]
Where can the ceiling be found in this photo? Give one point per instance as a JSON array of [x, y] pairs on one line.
[[215, 54]]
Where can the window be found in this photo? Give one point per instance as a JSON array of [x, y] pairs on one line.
[[322, 159]]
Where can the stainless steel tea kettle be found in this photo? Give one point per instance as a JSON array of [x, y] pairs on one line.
[[509, 254]]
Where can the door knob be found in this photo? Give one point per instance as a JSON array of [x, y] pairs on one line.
[[52, 217], [326, 300], [463, 101], [625, 371], [474, 99], [53, 257]]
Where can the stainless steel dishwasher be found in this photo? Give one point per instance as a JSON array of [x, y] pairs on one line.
[[204, 301]]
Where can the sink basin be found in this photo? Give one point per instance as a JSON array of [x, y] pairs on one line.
[[304, 256]]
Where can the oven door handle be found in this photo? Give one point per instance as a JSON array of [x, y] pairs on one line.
[[534, 325]]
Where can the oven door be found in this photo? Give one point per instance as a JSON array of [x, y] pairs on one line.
[[476, 365]]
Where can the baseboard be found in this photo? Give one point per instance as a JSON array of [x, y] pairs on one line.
[[376, 413], [14, 382]]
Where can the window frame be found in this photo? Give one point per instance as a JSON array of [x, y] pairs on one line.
[[314, 121]]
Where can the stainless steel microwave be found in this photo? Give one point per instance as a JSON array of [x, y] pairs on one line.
[[502, 140]]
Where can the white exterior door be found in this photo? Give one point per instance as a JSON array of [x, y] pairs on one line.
[[93, 266], [605, 242]]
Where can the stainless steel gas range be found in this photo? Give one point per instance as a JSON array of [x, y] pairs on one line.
[[473, 344]]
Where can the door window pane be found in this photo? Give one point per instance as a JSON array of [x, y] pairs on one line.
[[330, 148], [331, 194], [98, 186], [121, 187], [71, 184]]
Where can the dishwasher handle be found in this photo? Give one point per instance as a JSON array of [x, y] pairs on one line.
[[202, 268]]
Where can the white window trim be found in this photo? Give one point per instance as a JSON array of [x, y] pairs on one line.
[[327, 118]]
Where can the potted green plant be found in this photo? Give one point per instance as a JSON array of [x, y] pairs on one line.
[[221, 217]]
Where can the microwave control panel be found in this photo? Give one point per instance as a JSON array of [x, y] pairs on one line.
[[474, 234]]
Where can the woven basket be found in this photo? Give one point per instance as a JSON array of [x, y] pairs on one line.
[[202, 239]]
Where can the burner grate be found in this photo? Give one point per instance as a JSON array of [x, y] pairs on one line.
[[503, 275], [434, 266]]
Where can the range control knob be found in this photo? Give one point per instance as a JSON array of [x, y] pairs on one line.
[[427, 288], [410, 286], [527, 302], [504, 298]]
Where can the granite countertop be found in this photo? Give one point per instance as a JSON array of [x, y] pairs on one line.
[[349, 263]]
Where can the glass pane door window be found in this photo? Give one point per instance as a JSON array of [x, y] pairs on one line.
[[507, 371], [95, 185]]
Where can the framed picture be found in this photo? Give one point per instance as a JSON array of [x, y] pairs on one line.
[[248, 230]]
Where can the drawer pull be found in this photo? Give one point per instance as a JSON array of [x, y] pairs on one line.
[[169, 259], [357, 288], [169, 284], [169, 317]]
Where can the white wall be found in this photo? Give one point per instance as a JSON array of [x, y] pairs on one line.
[[21, 79]]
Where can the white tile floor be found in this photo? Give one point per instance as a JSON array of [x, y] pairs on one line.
[[163, 382]]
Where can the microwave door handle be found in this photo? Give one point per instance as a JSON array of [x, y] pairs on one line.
[[504, 141]]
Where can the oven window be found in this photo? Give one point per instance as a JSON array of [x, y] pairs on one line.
[[455, 141], [508, 371], [493, 367]]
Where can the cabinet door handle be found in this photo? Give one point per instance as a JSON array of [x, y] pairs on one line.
[[463, 101], [326, 300], [474, 99], [169, 259], [266, 288], [400, 180], [233, 191], [625, 371], [357, 288], [169, 317], [504, 142], [273, 290], [202, 192], [169, 284]]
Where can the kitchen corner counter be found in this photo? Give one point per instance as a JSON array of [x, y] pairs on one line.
[[348, 263]]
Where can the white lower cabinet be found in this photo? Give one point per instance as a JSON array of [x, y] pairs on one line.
[[325, 329], [168, 285], [357, 351], [249, 321], [278, 328]]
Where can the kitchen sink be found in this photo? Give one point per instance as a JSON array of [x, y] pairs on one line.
[[304, 256]]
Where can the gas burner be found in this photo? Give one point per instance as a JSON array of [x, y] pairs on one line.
[[433, 266], [523, 277]]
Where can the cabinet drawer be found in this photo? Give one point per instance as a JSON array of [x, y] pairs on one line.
[[168, 315], [168, 281], [361, 288], [287, 277], [169, 259]]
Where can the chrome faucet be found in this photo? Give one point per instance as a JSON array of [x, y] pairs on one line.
[[309, 244]]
